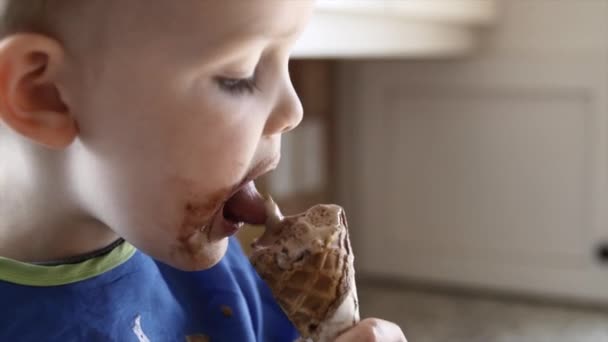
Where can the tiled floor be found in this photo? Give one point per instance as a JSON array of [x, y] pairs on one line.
[[436, 316]]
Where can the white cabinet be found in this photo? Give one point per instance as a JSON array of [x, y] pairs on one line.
[[490, 171], [393, 28]]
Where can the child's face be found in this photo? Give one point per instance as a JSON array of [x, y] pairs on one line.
[[169, 127]]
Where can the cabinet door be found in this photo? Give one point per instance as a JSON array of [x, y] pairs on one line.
[[489, 171]]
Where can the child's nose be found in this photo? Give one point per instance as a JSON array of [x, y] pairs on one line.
[[287, 112]]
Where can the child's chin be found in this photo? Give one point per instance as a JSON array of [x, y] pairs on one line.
[[203, 257]]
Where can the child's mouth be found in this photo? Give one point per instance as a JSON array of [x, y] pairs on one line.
[[246, 205], [243, 205]]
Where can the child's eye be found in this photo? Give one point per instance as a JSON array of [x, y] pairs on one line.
[[237, 86]]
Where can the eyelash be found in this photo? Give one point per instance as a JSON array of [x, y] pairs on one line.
[[237, 86]]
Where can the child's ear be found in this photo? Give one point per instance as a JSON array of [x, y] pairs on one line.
[[30, 101]]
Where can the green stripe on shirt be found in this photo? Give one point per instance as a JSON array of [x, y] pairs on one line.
[[23, 273]]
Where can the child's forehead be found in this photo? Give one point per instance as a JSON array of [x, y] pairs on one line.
[[200, 21], [225, 24], [197, 30], [274, 18]]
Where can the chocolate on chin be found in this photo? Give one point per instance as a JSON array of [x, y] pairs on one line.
[[307, 261]]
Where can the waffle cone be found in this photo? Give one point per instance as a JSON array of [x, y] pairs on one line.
[[307, 262]]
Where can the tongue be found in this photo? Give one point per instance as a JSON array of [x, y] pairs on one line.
[[247, 206]]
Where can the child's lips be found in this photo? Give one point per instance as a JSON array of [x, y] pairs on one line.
[[245, 206], [223, 228]]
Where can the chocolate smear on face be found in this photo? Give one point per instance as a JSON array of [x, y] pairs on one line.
[[194, 229]]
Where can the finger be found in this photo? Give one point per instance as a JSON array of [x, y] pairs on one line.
[[373, 330]]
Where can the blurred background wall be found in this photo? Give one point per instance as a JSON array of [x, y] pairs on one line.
[[488, 170]]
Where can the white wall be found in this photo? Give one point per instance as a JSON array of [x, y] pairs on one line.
[[487, 171]]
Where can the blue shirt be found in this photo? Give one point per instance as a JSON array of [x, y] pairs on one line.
[[131, 297]]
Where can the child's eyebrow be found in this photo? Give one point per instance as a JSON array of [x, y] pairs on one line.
[[262, 30], [285, 34], [242, 39]]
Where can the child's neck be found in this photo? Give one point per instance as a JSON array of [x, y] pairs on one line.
[[39, 221]]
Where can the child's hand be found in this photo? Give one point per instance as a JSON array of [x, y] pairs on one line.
[[373, 330]]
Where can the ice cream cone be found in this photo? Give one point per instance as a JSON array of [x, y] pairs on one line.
[[307, 261]]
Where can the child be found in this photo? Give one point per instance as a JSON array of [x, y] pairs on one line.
[[145, 121]]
